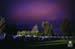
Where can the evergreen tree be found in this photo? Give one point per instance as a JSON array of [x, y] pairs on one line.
[[65, 27]]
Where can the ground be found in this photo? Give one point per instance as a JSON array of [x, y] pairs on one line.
[[40, 44]]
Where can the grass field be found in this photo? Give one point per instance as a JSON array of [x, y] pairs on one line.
[[55, 42], [37, 44]]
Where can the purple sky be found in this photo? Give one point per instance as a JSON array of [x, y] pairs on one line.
[[32, 12], [36, 11]]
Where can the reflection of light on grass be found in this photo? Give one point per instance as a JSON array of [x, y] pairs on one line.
[[60, 41], [47, 44], [56, 42]]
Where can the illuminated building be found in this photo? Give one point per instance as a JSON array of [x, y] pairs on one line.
[[34, 30], [21, 32], [47, 29]]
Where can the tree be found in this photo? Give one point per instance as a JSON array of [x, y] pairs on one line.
[[65, 27], [2, 24]]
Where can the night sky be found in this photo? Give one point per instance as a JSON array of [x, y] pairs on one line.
[[25, 13]]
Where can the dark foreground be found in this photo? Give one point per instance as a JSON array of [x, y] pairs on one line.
[[35, 43], [8, 44]]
